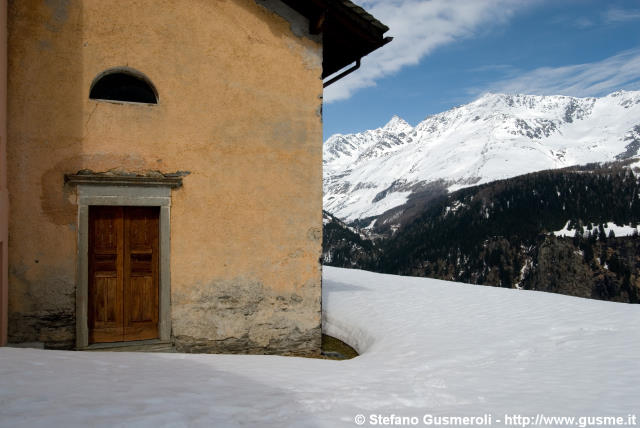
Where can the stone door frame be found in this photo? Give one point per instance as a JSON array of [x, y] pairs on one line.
[[129, 195]]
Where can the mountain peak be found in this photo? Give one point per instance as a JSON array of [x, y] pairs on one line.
[[397, 125]]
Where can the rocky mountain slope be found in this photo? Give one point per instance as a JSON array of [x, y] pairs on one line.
[[495, 137], [551, 231], [345, 246]]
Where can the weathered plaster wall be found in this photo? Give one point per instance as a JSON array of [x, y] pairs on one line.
[[239, 102]]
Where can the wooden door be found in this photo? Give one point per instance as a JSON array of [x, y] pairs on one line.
[[123, 273], [140, 273], [106, 251]]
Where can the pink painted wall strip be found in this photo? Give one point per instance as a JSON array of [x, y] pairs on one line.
[[4, 199]]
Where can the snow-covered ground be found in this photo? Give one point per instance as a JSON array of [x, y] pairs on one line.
[[624, 230], [428, 347]]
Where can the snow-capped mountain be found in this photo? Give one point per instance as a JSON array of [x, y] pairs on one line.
[[495, 137]]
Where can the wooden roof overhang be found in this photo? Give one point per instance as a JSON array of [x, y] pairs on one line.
[[348, 32]]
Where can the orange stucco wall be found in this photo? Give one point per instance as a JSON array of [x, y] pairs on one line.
[[239, 109]]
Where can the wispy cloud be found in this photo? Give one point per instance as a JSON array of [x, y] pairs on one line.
[[615, 15], [502, 68], [581, 22], [419, 27], [621, 71]]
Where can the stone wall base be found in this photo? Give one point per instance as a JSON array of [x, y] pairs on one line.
[[307, 344], [56, 330]]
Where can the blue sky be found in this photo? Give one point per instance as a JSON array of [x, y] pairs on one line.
[[449, 52]]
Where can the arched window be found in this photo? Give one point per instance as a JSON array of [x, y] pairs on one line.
[[123, 84]]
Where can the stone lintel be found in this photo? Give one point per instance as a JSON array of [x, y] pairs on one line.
[[172, 181]]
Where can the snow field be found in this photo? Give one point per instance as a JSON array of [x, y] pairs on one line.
[[427, 347]]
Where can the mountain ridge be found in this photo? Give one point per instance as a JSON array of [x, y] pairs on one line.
[[497, 136]]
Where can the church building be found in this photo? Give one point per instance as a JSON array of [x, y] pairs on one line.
[[164, 170]]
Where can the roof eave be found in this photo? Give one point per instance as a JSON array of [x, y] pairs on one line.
[[349, 31]]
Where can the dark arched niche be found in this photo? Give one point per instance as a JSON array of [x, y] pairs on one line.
[[123, 84]]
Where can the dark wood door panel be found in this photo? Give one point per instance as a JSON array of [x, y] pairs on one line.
[[141, 273], [105, 274], [123, 273]]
